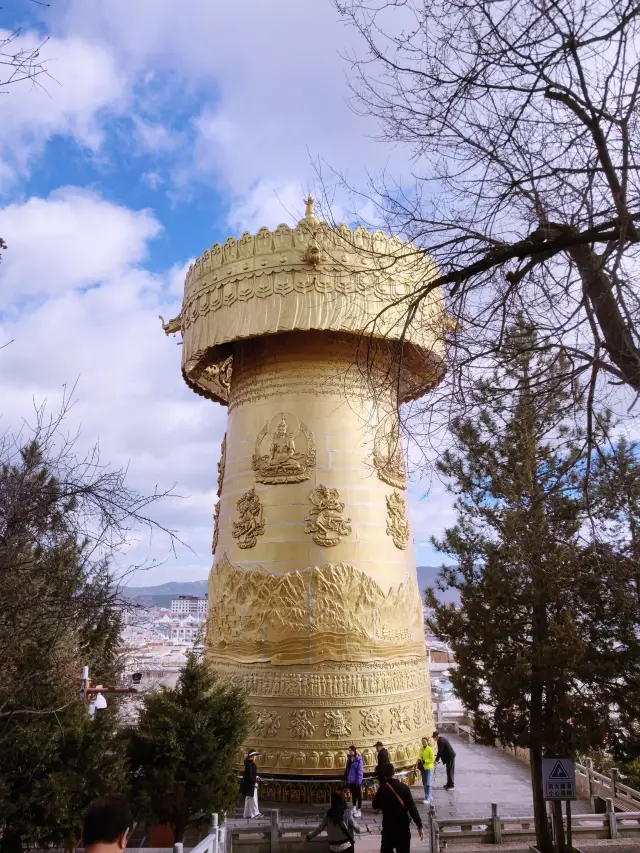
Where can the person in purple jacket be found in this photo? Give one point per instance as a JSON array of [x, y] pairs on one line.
[[353, 777]]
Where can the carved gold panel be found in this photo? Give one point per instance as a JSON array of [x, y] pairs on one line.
[[397, 524], [250, 523], [290, 451], [325, 521], [332, 612]]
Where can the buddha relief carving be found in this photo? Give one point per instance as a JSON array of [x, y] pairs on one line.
[[291, 452], [397, 524], [250, 525], [216, 525], [325, 521], [222, 463]]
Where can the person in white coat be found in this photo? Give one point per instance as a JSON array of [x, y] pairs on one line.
[[249, 785]]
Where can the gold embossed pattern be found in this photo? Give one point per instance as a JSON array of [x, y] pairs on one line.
[[329, 612]]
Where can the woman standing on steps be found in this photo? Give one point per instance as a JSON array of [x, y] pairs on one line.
[[249, 785], [353, 774], [340, 827]]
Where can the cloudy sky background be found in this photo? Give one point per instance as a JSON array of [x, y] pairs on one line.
[[162, 128]]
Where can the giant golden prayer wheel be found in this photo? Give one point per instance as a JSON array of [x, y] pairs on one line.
[[314, 606]]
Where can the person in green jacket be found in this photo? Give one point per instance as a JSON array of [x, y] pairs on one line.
[[426, 762]]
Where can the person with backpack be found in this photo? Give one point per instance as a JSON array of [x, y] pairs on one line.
[[447, 755], [425, 765], [249, 785], [353, 773], [393, 798], [340, 827]]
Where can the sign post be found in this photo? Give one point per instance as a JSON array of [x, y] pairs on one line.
[[559, 783]]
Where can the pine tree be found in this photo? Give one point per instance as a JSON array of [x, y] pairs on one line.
[[546, 632], [61, 517], [184, 748]]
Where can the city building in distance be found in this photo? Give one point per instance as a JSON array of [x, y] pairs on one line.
[[191, 604]]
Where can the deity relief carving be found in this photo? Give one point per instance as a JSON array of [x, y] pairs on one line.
[[222, 462], [387, 454], [217, 376], [372, 722], [251, 522], [284, 462], [325, 521], [267, 723], [335, 608], [216, 526], [337, 723], [397, 524], [400, 720], [300, 723]]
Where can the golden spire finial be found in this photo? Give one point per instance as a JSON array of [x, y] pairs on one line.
[[308, 209]]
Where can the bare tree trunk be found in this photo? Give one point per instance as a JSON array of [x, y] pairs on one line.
[[557, 819], [543, 835]]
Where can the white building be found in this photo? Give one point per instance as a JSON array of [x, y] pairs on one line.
[[185, 633], [190, 604]]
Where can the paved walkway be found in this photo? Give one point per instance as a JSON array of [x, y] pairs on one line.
[[484, 775]]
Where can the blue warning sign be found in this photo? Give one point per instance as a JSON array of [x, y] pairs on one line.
[[559, 772], [559, 779]]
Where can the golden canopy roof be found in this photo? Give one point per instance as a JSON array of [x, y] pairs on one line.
[[311, 277]]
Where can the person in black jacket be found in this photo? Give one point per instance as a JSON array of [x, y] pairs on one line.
[[394, 799], [249, 785], [447, 755], [383, 758]]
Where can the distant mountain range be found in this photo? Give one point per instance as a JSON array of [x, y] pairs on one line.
[[161, 595], [427, 576]]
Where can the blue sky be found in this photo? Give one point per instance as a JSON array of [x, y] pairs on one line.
[[159, 129]]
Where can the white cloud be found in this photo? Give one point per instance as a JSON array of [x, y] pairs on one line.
[[130, 394], [279, 94], [154, 137], [72, 239], [81, 84], [276, 96]]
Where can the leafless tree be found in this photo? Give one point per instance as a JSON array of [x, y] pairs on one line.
[[521, 119], [64, 517]]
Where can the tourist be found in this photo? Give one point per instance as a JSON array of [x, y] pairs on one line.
[[447, 755], [249, 785], [353, 774], [393, 798], [107, 823], [383, 758], [340, 826], [425, 765]]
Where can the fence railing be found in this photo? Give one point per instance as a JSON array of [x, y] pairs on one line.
[[592, 784], [273, 835], [498, 829], [218, 839]]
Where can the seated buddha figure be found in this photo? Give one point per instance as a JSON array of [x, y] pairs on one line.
[[282, 464]]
